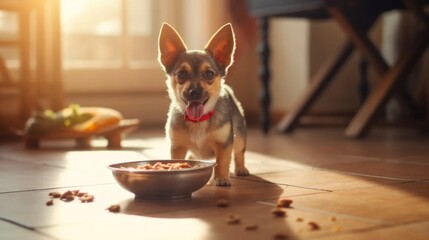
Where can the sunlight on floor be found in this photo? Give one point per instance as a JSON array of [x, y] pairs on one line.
[[137, 227], [86, 159]]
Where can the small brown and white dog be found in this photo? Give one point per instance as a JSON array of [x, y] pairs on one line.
[[205, 120]]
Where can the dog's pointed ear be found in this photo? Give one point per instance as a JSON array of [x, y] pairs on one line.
[[170, 46], [222, 46]]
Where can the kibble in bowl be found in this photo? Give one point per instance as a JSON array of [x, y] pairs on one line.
[[163, 179]]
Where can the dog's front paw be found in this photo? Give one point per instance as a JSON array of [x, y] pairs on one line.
[[222, 182], [241, 171]]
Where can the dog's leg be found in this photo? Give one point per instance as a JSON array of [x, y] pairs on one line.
[[223, 159], [240, 169], [178, 152], [239, 149]]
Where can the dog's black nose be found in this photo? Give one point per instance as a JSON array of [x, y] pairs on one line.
[[194, 93]]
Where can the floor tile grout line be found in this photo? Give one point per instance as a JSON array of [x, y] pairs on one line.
[[365, 175], [356, 230], [265, 201], [374, 159], [283, 184], [32, 229], [404, 162], [35, 163], [375, 185], [357, 157], [310, 188], [400, 181], [17, 224], [23, 226], [348, 173], [52, 188]]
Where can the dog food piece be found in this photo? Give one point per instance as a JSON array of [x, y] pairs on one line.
[[114, 208], [222, 203], [284, 202], [87, 198], [333, 218], [50, 203], [75, 192], [313, 226], [280, 236], [70, 195], [81, 194], [299, 219], [67, 196], [164, 166], [251, 227], [233, 219], [55, 194], [278, 212]]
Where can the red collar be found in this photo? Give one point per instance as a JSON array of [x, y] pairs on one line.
[[203, 118]]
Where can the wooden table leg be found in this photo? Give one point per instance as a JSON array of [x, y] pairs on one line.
[[361, 123], [360, 38], [364, 86], [324, 77], [265, 75], [317, 85]]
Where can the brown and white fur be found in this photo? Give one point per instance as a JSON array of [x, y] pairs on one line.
[[205, 120]]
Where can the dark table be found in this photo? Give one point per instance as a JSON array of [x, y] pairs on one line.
[[355, 18]]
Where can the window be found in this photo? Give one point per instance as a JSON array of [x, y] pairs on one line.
[[107, 43], [119, 35], [9, 31]]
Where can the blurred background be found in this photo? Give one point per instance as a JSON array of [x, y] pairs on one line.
[[108, 56]]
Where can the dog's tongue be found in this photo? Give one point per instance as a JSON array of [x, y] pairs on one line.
[[194, 110]]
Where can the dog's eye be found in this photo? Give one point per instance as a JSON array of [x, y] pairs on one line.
[[182, 75], [208, 75]]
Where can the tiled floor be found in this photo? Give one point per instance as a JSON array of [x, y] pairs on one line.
[[377, 188]]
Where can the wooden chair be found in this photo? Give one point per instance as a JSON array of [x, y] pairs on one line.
[[355, 18]]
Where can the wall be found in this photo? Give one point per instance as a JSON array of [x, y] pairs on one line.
[[288, 66], [325, 42]]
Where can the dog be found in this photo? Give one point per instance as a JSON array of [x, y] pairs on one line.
[[205, 120]]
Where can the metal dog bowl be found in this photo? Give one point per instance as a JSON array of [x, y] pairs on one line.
[[162, 184]]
